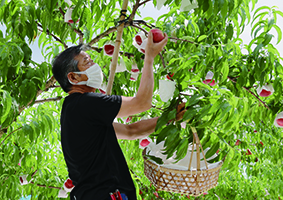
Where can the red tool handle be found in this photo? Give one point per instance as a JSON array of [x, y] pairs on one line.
[[112, 196], [118, 195]]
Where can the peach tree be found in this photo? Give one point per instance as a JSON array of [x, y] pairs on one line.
[[232, 90]]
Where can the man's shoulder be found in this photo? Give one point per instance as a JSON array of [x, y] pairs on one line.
[[83, 95], [93, 96]]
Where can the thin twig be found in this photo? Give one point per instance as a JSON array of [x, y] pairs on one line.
[[133, 25], [143, 23], [33, 173], [48, 100], [55, 86], [263, 103], [156, 107], [144, 2], [39, 185], [174, 38], [10, 134], [162, 59]]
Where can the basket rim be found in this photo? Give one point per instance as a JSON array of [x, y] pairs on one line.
[[179, 170]]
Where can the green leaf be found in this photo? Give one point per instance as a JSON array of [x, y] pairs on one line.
[[224, 9], [212, 150], [28, 130], [2, 3], [202, 37], [229, 31], [215, 107], [267, 39], [182, 149], [279, 32], [225, 71], [270, 23], [39, 157], [168, 130], [216, 159], [193, 100], [7, 103], [189, 114], [256, 51], [205, 5], [262, 8], [171, 143], [76, 9], [155, 159], [203, 112]]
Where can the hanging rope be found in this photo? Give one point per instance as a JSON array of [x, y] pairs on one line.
[[117, 47]]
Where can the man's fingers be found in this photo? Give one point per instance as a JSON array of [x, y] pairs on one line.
[[150, 37]]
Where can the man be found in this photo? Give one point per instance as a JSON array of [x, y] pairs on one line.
[[93, 156]]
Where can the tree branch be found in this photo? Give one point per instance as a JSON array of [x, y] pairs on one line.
[[55, 37], [48, 100], [263, 103], [135, 8], [80, 33], [97, 38]]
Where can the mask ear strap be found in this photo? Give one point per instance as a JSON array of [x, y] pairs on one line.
[[79, 83], [80, 72]]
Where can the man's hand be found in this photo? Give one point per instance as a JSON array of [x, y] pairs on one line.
[[153, 49]]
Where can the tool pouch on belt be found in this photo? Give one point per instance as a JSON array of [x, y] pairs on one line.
[[118, 196]]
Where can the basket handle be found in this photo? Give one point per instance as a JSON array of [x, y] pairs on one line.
[[198, 144]]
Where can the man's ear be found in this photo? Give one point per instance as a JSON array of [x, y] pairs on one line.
[[73, 77]]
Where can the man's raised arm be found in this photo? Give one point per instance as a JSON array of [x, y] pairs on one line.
[[142, 101]]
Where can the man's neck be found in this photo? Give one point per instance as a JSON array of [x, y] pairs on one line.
[[81, 89]]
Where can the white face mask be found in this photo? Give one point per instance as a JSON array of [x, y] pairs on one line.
[[95, 77]]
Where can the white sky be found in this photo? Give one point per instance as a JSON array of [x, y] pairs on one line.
[[149, 11]]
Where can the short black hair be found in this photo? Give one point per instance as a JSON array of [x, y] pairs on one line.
[[64, 63]]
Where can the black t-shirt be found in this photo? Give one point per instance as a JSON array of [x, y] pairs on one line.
[[92, 153]]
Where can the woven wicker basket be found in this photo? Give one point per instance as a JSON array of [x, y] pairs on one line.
[[192, 182]]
